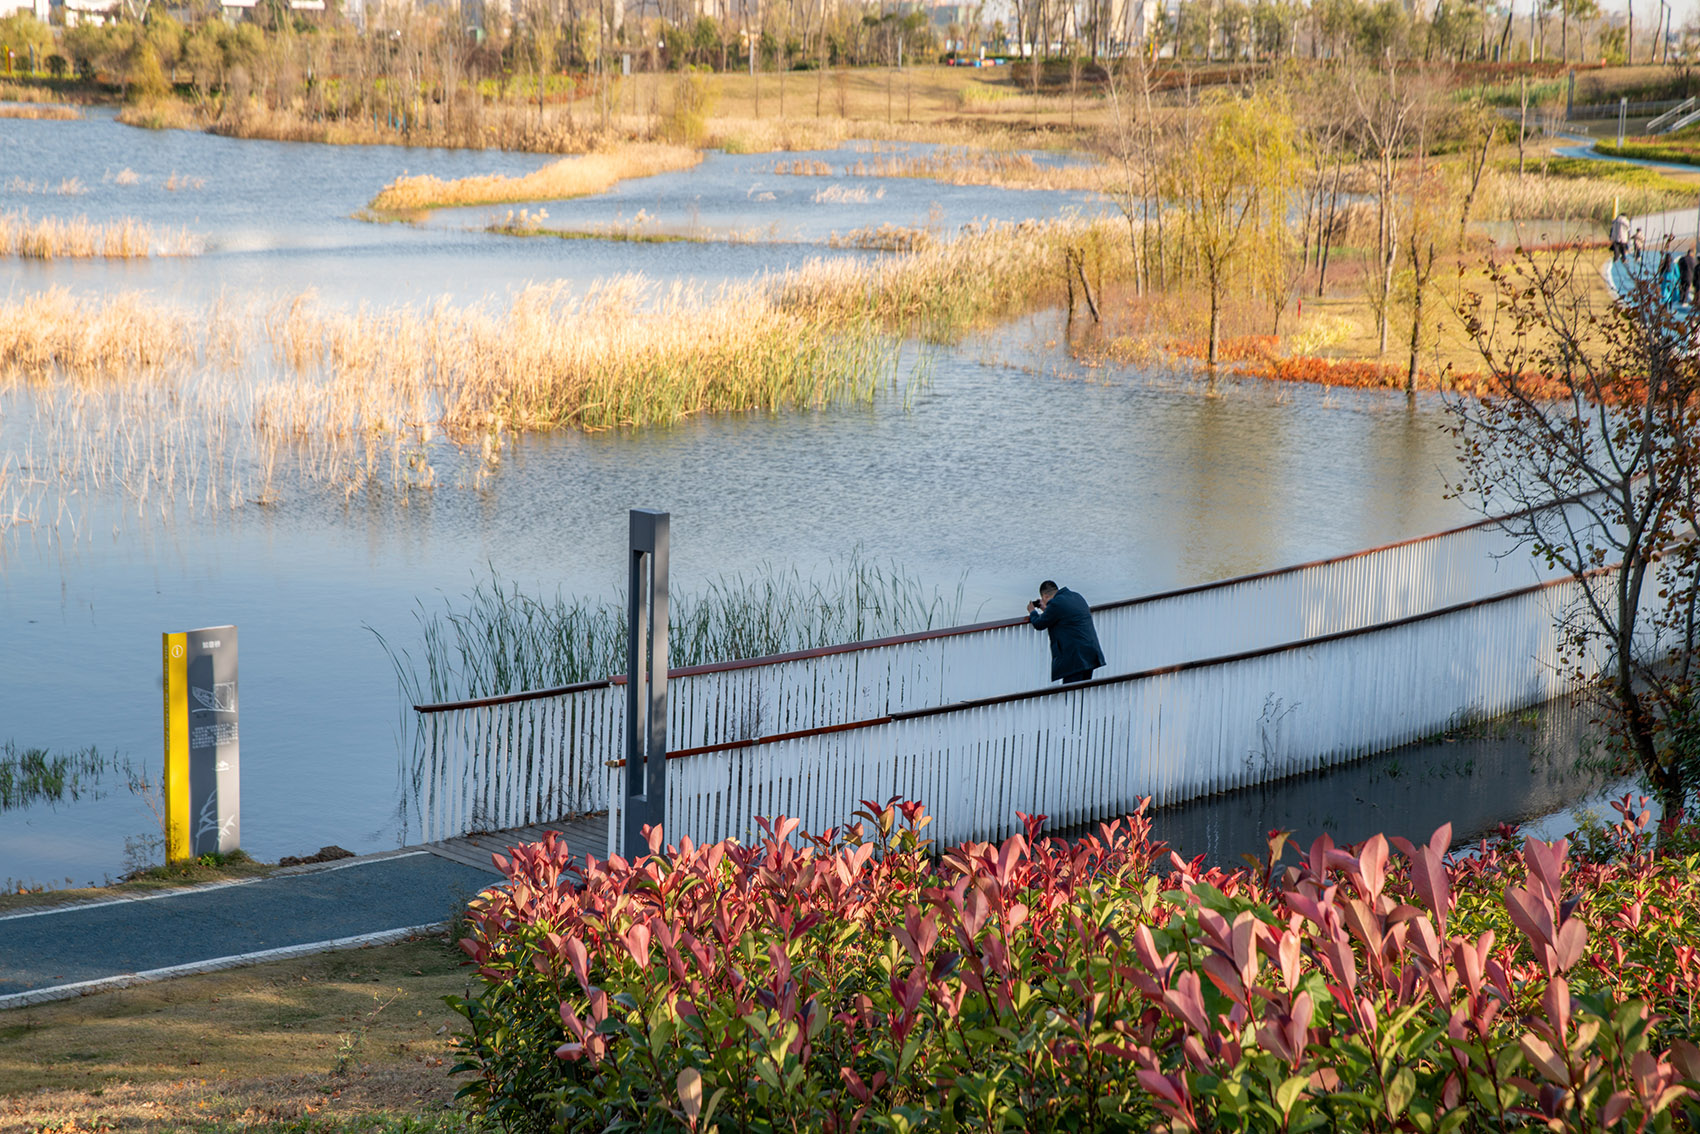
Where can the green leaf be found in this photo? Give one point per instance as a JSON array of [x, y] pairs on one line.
[[713, 1105], [1400, 1092], [1288, 1093]]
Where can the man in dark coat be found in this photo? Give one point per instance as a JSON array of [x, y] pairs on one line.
[[1074, 643], [1688, 274]]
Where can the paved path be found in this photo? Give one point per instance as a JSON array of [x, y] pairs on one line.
[[58, 952], [65, 951]]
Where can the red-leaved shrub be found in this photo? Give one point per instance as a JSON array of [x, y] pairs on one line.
[[850, 980]]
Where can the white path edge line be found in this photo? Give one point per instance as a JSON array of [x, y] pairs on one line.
[[213, 965], [77, 907]]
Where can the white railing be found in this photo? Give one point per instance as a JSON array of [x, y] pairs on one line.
[[1092, 752], [532, 757], [1673, 118], [513, 762]]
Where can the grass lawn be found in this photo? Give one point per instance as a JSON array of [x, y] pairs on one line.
[[357, 1040]]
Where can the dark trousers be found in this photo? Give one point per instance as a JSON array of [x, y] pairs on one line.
[[1077, 678]]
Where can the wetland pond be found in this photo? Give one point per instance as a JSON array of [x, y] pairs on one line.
[[1006, 462]]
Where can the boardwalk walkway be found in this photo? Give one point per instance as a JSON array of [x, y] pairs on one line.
[[58, 952]]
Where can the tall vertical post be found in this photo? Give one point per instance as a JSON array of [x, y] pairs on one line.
[[1622, 120], [646, 680]]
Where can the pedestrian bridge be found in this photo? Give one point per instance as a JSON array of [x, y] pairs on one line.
[[1207, 688]]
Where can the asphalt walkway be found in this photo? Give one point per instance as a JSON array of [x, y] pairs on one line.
[[64, 951]]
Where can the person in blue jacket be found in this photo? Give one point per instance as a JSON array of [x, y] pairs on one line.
[[1064, 615]]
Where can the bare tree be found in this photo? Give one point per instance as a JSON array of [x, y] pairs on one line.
[[1388, 103], [1602, 406]]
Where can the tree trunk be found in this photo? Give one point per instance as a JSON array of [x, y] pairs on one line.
[[1327, 236], [1522, 126], [1392, 254], [1215, 323], [1420, 280]]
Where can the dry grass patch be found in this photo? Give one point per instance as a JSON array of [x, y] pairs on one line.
[[949, 287], [569, 177], [957, 166], [1505, 196], [333, 1036], [213, 407], [55, 334], [52, 238], [48, 112]]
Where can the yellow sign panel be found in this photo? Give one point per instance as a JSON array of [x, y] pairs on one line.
[[175, 650]]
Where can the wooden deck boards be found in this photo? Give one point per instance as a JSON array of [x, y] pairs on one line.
[[584, 834]]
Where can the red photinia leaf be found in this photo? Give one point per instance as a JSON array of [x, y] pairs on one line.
[[1185, 1001], [1687, 1059], [1320, 850], [1532, 915], [1372, 865], [1544, 1059], [1572, 938], [1162, 1086], [1556, 1001], [1288, 952], [853, 1083], [1546, 867], [636, 940]]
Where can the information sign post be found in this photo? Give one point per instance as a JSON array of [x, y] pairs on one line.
[[646, 680], [202, 786]]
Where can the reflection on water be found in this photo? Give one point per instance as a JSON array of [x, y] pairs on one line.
[[1509, 770], [1011, 464]]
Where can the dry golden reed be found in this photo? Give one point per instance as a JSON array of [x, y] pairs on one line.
[[887, 237], [1505, 196], [51, 113], [51, 238], [67, 187], [948, 287], [54, 334], [211, 407], [968, 166], [569, 177]]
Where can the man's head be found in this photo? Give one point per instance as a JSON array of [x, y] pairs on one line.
[[1047, 589]]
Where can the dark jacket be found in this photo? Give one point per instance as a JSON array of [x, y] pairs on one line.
[[1074, 643]]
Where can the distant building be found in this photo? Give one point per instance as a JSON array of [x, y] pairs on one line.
[[234, 8], [75, 12], [40, 9]]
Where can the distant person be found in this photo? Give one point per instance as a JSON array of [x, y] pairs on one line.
[[1665, 279], [1689, 269], [1620, 237], [1637, 243], [1064, 615]]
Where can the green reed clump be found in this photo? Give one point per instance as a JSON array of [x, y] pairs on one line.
[[35, 775], [498, 639]]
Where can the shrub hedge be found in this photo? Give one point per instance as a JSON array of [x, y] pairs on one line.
[[855, 980]]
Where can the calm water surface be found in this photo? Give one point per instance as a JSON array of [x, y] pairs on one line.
[[1011, 464]]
